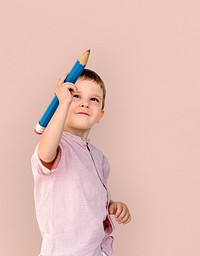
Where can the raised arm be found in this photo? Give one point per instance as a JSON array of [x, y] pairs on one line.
[[48, 145]]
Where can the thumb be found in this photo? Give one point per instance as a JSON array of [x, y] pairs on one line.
[[112, 209]]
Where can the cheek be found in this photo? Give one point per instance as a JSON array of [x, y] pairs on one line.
[[75, 100], [96, 108], [99, 114], [94, 103]]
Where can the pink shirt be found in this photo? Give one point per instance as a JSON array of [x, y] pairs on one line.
[[72, 200]]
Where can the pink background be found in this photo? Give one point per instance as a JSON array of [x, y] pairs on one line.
[[148, 53]]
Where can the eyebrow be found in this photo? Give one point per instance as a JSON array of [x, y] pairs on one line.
[[96, 95], [92, 95]]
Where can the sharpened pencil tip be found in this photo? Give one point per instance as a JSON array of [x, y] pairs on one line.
[[84, 57]]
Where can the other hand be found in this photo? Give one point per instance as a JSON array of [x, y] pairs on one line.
[[121, 212]]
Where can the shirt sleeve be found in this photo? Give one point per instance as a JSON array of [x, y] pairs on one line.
[[38, 168]]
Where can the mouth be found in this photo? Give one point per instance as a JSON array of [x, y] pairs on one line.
[[83, 113]]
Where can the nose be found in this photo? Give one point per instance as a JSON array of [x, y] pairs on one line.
[[84, 104]]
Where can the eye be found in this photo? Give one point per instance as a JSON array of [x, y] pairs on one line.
[[95, 99], [76, 96]]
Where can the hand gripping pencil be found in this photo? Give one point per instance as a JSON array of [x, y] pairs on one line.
[[72, 77]]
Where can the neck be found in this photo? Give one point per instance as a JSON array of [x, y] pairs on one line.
[[81, 133]]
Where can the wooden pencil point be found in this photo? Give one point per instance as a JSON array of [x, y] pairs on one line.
[[84, 58]]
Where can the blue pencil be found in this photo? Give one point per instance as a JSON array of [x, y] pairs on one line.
[[72, 77]]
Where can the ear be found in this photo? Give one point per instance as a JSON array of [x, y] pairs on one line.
[[101, 115]]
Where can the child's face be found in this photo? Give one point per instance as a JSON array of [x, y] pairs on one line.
[[85, 109]]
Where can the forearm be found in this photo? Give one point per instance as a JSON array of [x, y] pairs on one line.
[[50, 139]]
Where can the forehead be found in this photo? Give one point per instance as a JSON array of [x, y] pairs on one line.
[[89, 86]]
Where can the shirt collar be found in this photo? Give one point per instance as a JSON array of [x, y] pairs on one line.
[[77, 139]]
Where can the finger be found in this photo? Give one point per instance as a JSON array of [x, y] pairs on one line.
[[61, 79], [125, 219], [122, 214], [71, 87], [112, 209], [67, 85], [128, 220], [119, 211]]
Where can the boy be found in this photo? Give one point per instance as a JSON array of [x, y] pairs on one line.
[[71, 196]]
